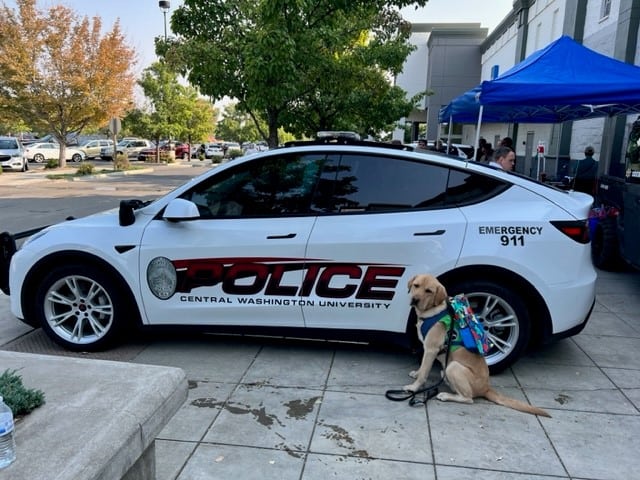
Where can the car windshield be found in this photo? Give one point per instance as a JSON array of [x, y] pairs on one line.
[[8, 144]]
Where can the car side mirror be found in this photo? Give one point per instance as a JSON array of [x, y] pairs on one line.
[[180, 209], [126, 213]]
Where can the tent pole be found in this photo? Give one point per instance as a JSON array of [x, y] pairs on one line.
[[449, 134], [558, 148], [476, 144]]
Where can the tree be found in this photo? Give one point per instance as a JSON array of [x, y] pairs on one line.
[[276, 56], [59, 73], [175, 111], [237, 126]]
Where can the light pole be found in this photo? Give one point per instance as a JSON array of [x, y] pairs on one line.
[[164, 6]]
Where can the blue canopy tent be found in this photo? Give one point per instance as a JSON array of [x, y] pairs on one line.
[[563, 81]]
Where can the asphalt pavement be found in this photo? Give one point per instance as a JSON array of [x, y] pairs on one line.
[[284, 409]]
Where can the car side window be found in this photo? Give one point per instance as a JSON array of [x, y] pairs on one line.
[[466, 188], [274, 186], [367, 183]]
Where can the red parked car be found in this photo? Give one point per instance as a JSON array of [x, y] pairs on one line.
[[183, 150]]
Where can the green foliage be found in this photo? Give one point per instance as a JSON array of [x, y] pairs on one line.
[[51, 163], [176, 111], [238, 126], [85, 168], [234, 153], [21, 400], [329, 60]]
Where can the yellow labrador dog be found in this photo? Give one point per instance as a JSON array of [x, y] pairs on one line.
[[466, 372]]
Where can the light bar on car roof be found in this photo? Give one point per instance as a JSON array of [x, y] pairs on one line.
[[331, 134]]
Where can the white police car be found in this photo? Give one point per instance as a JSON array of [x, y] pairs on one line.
[[317, 239]]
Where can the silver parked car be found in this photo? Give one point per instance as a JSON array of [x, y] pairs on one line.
[[12, 155], [92, 148]]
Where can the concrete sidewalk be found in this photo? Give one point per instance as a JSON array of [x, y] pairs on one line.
[[274, 409]]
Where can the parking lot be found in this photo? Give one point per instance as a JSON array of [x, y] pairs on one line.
[[291, 409]]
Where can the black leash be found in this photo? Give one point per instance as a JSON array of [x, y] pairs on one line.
[[430, 391]]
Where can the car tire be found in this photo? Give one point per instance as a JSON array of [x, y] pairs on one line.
[[505, 316], [38, 158], [76, 157], [80, 307], [25, 166], [605, 250]]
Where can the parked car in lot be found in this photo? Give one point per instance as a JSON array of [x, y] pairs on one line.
[[43, 151], [92, 148], [129, 147], [182, 150], [213, 150], [12, 155], [317, 239]]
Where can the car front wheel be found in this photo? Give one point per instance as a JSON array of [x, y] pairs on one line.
[[80, 307], [76, 157], [504, 315], [38, 158]]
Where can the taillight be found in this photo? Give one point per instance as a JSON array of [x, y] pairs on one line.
[[577, 230]]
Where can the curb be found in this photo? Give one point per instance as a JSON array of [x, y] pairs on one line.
[[29, 177]]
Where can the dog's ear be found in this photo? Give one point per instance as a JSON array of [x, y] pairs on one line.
[[410, 282], [441, 294]]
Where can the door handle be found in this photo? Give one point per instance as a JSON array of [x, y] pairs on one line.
[[277, 237], [429, 234]]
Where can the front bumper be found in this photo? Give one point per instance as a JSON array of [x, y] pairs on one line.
[[8, 248]]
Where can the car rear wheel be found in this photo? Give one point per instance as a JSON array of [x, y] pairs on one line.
[[505, 317], [80, 307], [76, 157], [38, 158], [605, 251]]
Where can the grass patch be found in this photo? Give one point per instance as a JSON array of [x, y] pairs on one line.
[[80, 174]]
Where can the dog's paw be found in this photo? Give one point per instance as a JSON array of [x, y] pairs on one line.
[[412, 388], [413, 373], [443, 396]]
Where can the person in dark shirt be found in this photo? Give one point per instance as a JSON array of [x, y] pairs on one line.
[[586, 173], [507, 142]]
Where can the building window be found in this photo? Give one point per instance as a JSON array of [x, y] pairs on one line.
[[605, 9]]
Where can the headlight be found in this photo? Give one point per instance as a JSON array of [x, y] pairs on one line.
[[161, 277]]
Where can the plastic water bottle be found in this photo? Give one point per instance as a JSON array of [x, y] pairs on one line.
[[7, 442]]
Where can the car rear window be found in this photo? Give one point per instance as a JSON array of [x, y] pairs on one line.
[[465, 187]]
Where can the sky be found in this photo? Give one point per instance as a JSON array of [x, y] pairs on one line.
[[142, 20]]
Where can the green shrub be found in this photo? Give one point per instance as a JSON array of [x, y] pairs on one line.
[[21, 400], [51, 163], [121, 163], [167, 157], [234, 153], [85, 169]]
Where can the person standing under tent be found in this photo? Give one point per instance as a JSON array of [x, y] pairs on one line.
[[503, 158], [586, 173]]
